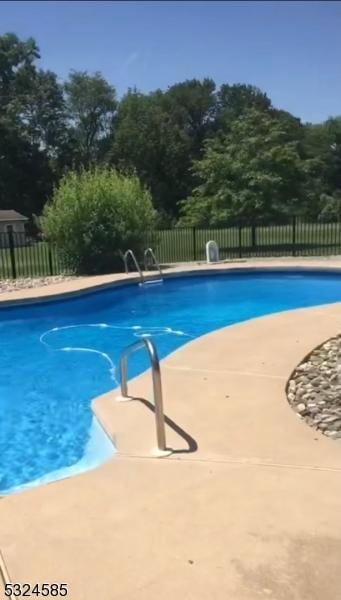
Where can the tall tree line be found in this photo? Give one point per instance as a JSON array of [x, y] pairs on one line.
[[210, 155]]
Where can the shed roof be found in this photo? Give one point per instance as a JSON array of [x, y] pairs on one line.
[[11, 215]]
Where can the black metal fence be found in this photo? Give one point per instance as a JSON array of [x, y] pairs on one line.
[[294, 238], [22, 255]]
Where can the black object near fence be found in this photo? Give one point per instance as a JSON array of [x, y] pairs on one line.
[[22, 255]]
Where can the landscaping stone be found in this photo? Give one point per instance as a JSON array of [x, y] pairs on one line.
[[10, 285], [314, 389]]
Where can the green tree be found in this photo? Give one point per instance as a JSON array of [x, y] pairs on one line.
[[232, 101], [191, 106], [331, 207], [91, 104], [25, 174], [17, 71], [44, 113], [47, 128], [322, 143], [147, 142], [94, 215], [160, 134], [253, 172]]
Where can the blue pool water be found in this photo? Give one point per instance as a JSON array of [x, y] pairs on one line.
[[56, 357]]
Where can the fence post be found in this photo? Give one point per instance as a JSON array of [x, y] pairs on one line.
[[294, 236], [240, 240], [253, 235], [194, 233], [50, 260], [12, 253]]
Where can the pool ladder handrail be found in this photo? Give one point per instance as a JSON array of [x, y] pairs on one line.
[[143, 280], [150, 251], [125, 260], [157, 388]]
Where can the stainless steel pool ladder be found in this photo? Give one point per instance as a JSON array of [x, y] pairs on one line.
[[143, 280], [157, 388], [155, 263], [125, 260]]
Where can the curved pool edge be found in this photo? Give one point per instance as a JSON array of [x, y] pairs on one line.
[[130, 429], [283, 488], [293, 335], [201, 270], [88, 285]]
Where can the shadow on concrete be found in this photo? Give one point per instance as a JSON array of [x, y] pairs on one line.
[[192, 445]]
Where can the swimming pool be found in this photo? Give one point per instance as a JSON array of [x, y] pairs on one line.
[[55, 357]]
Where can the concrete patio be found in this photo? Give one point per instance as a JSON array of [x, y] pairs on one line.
[[246, 507]]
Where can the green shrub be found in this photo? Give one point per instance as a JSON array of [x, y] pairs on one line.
[[95, 215]]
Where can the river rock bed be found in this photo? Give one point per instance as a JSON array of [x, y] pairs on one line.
[[314, 390]]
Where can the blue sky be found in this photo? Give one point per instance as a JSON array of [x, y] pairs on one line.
[[291, 50]]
